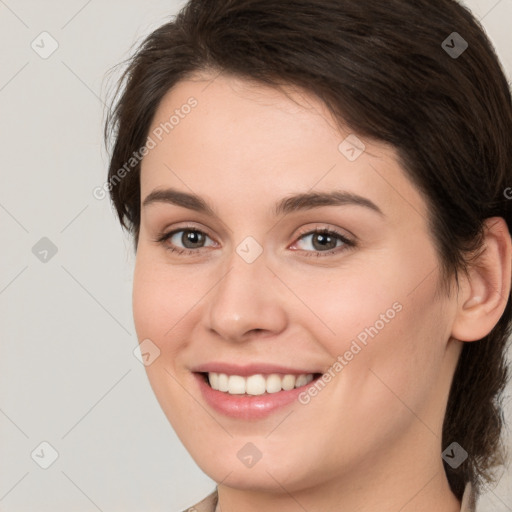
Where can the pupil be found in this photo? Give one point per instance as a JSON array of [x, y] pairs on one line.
[[192, 239]]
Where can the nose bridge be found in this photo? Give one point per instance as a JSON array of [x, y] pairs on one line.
[[245, 299]]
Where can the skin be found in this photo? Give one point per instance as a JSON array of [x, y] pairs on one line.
[[371, 439]]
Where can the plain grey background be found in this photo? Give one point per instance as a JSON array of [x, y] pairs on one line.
[[68, 373]]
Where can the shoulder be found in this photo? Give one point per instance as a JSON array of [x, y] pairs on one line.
[[206, 505]]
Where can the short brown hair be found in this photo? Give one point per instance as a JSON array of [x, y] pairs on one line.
[[384, 70]]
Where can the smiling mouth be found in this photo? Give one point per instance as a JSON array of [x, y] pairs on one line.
[[257, 384]]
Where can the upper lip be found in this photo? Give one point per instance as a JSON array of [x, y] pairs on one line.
[[248, 369]]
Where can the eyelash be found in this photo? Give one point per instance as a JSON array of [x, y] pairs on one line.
[[347, 244]]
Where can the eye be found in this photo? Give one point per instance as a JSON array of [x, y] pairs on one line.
[[324, 241], [185, 240], [319, 242]]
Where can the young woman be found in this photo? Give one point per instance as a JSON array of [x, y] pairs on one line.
[[317, 192]]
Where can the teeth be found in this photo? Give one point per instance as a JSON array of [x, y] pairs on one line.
[[236, 385], [302, 380], [214, 380], [257, 384], [274, 383], [223, 382]]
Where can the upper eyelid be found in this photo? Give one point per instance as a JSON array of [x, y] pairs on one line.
[[302, 231], [187, 227], [324, 228]]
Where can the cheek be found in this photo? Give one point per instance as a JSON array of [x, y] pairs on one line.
[[339, 305], [389, 342], [161, 300], [162, 308], [148, 299], [389, 294], [384, 324]]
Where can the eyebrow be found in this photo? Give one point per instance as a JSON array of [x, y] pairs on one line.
[[297, 202]]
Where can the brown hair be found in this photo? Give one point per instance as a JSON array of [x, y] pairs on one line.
[[384, 69]]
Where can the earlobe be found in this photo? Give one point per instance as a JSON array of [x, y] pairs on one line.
[[484, 292]]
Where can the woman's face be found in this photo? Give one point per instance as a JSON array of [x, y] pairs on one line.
[[243, 292]]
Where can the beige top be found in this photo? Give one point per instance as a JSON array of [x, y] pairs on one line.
[[210, 502]]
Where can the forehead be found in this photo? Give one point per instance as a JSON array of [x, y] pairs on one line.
[[221, 135]]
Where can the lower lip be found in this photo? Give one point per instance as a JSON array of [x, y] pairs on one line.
[[249, 407]]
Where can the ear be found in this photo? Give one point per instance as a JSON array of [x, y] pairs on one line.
[[484, 293]]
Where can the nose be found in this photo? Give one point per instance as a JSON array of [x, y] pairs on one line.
[[247, 302]]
